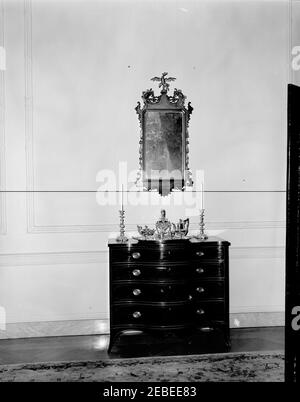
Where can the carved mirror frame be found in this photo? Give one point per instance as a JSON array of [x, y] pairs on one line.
[[164, 104]]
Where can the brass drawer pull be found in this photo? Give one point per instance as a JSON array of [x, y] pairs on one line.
[[199, 253], [200, 311], [137, 314], [200, 289], [200, 270], [136, 255], [136, 292], [206, 329], [167, 269], [136, 272]]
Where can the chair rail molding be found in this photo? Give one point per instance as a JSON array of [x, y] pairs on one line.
[[101, 256]]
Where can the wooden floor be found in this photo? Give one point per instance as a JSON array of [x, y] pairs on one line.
[[93, 347]]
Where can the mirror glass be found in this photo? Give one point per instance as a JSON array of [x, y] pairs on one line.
[[163, 144]]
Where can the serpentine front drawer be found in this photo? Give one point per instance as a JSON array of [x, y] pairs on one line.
[[147, 271]]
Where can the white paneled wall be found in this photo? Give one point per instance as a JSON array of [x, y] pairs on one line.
[[74, 72], [294, 10]]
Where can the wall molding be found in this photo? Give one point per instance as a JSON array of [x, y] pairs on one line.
[[31, 197], [53, 258], [3, 218], [101, 326], [101, 256], [111, 227], [29, 142], [55, 316], [257, 252], [257, 309]]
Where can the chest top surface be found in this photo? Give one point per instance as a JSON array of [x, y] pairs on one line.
[[161, 244]]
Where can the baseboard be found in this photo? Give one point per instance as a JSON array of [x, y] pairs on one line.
[[54, 328], [96, 327], [257, 319]]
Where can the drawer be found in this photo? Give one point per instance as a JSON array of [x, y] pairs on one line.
[[135, 254], [207, 289], [139, 315], [150, 292], [204, 312], [141, 272], [146, 254], [200, 252], [207, 269]]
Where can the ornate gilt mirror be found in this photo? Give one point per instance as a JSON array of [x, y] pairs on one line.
[[164, 120]]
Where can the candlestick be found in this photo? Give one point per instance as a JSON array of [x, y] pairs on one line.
[[202, 235], [122, 237]]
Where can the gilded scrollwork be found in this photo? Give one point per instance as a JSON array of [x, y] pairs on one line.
[[168, 104], [163, 82], [138, 110], [189, 112], [149, 97]]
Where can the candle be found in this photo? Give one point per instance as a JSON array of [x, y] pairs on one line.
[[122, 199], [202, 196]]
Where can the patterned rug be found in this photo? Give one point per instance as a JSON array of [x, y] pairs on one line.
[[246, 367]]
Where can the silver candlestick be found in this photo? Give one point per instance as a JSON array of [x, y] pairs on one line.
[[202, 235], [122, 237]]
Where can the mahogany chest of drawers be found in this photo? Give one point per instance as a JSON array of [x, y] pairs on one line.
[[169, 286]]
